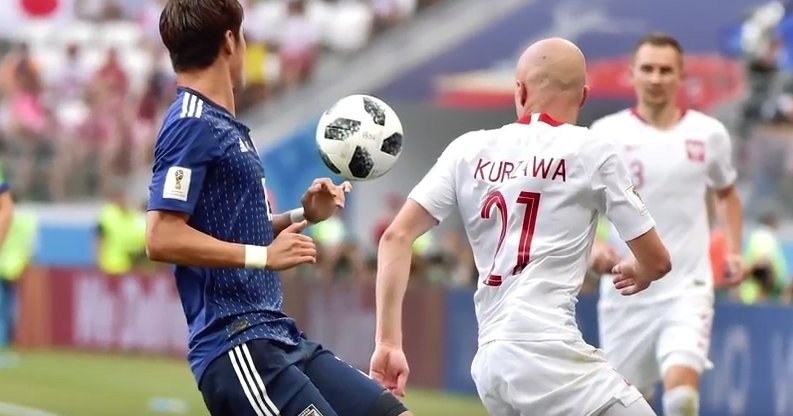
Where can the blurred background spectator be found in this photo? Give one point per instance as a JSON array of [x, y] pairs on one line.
[[80, 99]]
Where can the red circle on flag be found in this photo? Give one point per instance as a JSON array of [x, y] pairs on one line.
[[39, 8]]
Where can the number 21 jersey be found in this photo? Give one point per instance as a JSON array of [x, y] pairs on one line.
[[529, 195]]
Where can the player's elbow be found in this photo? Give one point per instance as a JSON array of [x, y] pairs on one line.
[[395, 236], [158, 243], [155, 247]]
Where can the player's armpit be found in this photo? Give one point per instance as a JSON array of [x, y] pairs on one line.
[[651, 257], [170, 239]]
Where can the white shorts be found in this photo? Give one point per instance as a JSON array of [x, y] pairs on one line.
[[643, 341], [547, 378]]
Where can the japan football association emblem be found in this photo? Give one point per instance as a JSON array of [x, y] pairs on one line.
[[695, 150]]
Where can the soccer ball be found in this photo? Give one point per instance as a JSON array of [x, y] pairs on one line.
[[359, 138]]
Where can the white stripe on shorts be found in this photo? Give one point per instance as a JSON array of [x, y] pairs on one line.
[[251, 393]]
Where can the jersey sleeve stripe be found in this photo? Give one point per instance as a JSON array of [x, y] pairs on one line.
[[185, 102], [192, 106], [199, 108]]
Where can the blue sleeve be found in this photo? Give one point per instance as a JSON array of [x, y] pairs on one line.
[[184, 150]]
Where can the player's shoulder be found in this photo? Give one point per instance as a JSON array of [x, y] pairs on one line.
[[187, 108], [704, 121], [468, 140], [187, 115], [618, 118]]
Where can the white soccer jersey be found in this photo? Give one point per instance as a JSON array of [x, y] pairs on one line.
[[529, 194], [672, 170]]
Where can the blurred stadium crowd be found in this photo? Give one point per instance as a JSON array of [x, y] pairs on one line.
[[80, 101]]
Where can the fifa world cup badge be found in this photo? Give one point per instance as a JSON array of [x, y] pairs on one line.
[[177, 183], [178, 175]]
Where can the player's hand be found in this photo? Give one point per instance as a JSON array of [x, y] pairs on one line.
[[603, 258], [627, 280], [389, 367], [323, 198], [736, 270], [290, 248]]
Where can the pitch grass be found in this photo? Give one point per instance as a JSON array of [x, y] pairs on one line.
[[80, 384]]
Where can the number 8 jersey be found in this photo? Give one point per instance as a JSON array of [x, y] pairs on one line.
[[673, 169], [529, 195]]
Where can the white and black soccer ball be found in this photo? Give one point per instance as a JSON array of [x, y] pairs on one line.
[[359, 138]]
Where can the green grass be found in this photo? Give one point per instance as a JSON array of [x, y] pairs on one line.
[[77, 384]]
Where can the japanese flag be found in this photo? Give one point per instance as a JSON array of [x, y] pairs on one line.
[[17, 12]]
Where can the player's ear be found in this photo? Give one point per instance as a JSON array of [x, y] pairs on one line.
[[584, 95], [521, 94], [229, 43]]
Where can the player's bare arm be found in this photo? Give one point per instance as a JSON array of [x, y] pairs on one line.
[[320, 202], [388, 365], [730, 212], [170, 239], [650, 262]]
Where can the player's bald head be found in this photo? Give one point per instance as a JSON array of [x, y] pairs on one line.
[[551, 69]]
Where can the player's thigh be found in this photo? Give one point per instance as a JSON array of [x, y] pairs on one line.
[[553, 378], [242, 383], [489, 383], [628, 336], [685, 337], [349, 391]]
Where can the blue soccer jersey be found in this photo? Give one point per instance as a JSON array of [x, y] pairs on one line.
[[205, 165]]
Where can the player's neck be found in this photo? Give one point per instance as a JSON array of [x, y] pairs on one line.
[[662, 118], [214, 85], [558, 113]]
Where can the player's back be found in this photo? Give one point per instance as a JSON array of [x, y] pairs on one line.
[[525, 194]]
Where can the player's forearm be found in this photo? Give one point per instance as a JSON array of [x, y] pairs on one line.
[[393, 270], [6, 215], [171, 241], [280, 222], [284, 220], [730, 212]]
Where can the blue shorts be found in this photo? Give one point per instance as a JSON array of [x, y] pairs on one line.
[[265, 378]]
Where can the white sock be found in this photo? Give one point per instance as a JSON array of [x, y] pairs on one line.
[[681, 401]]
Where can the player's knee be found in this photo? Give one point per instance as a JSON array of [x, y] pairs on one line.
[[388, 405], [681, 401]]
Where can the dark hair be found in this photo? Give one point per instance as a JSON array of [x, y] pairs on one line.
[[659, 39], [193, 31]]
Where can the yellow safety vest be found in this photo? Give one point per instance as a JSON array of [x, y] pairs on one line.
[[18, 247], [123, 236]]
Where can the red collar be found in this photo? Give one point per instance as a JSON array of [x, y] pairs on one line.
[[541, 117], [635, 113]]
